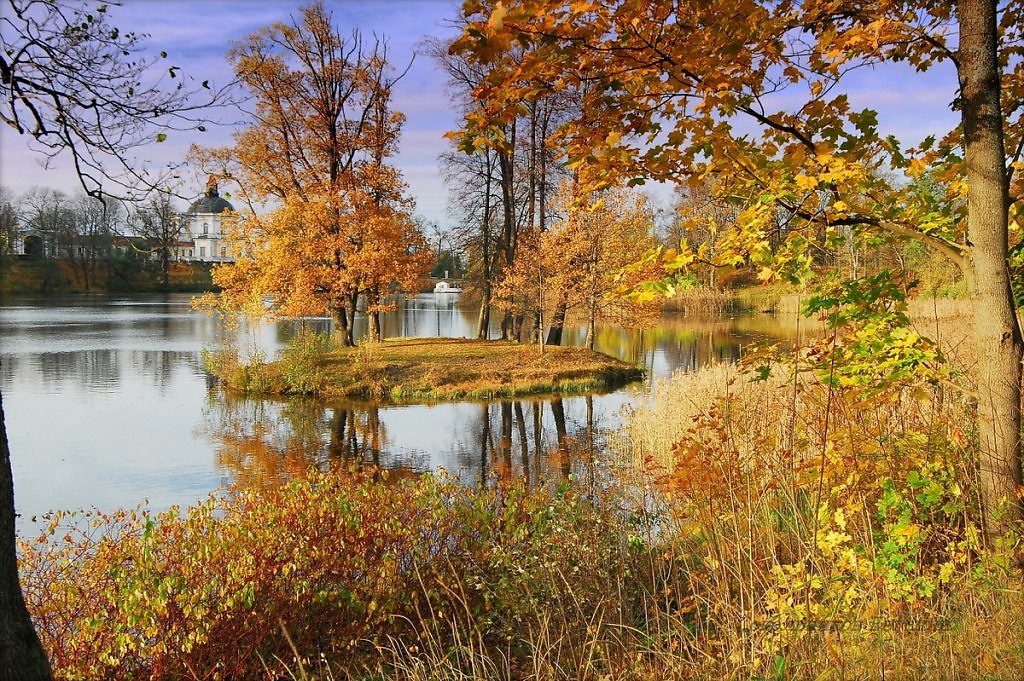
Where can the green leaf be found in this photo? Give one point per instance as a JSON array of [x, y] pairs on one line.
[[161, 137]]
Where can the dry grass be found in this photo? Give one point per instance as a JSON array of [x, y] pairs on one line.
[[777, 497], [701, 302], [756, 530]]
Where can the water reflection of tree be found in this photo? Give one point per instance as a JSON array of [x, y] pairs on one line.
[[261, 442], [160, 366], [515, 440], [685, 343], [268, 441], [85, 367], [357, 436]]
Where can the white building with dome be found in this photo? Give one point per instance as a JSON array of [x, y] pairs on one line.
[[203, 237]]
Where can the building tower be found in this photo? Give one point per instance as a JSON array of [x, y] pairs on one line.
[[204, 224]]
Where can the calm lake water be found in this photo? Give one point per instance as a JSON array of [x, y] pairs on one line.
[[108, 405]]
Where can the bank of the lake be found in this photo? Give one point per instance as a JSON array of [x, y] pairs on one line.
[[124, 273], [417, 370]]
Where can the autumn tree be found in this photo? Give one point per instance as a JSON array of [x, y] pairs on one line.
[[701, 222], [471, 199], [676, 89], [588, 253], [485, 185], [504, 190], [316, 151], [592, 249]]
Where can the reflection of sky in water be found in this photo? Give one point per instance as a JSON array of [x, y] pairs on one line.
[[107, 403]]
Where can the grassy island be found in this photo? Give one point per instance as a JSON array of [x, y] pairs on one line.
[[406, 370]]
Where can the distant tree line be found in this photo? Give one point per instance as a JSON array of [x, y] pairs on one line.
[[52, 241]]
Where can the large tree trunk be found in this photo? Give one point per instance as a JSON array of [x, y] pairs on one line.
[[996, 330], [506, 326], [21, 655], [373, 318], [353, 302], [339, 323], [557, 321]]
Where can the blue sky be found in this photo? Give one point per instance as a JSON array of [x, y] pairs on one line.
[[197, 34]]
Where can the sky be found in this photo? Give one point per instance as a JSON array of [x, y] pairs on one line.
[[197, 34]]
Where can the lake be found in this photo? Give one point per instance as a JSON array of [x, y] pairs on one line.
[[108, 405]]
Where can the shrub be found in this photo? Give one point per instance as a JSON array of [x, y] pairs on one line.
[[301, 363], [338, 565]]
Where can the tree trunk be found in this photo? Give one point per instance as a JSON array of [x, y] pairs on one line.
[[591, 322], [21, 655], [483, 322], [557, 321], [350, 337], [996, 330], [339, 323], [508, 229], [506, 325], [374, 322], [373, 318]]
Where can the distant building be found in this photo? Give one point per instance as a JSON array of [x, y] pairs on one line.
[[203, 233]]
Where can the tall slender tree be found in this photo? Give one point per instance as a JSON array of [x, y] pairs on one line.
[[160, 224]]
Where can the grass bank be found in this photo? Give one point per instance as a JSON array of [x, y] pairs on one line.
[[408, 370]]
